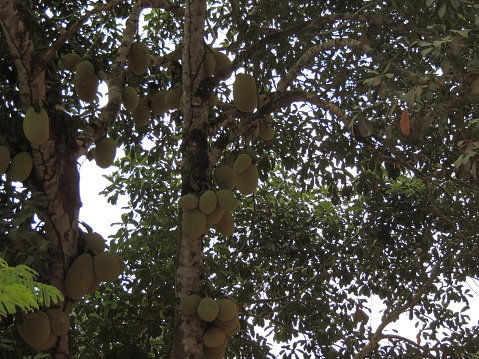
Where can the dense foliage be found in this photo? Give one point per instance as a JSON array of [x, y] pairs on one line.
[[368, 188]]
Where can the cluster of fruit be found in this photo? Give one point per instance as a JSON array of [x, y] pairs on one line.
[[40, 329], [222, 318]]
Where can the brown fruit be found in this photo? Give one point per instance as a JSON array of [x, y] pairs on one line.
[[4, 159], [209, 64]]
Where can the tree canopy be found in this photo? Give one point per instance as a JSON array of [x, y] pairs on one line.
[[349, 135]]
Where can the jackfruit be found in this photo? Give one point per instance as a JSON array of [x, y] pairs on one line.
[[215, 353], [189, 305], [177, 53], [106, 266], [209, 64], [215, 216], [173, 97], [228, 309], [247, 181], [35, 328], [95, 285], [59, 323], [188, 201], [266, 130], [226, 225], [105, 152], [141, 114], [87, 91], [213, 99], [158, 104], [69, 61], [129, 98], [21, 166], [208, 309], [83, 72], [235, 330], [227, 325], [79, 277], [213, 337], [194, 223], [227, 200], [48, 344], [121, 262], [224, 176], [139, 58], [95, 242], [245, 93], [243, 161], [36, 126], [221, 61], [207, 202], [4, 159]]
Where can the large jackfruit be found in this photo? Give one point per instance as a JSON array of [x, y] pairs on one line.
[[79, 277], [224, 176], [215, 216], [106, 266], [213, 337], [189, 305], [209, 64], [36, 126], [141, 114], [21, 166], [48, 344], [207, 202], [87, 91], [95, 285], [84, 72], [266, 130], [173, 97], [247, 181], [215, 353], [129, 98], [69, 61], [208, 309], [188, 201], [59, 322], [95, 242], [227, 200], [243, 161], [245, 93], [4, 159], [227, 325], [221, 61], [228, 309], [139, 58], [35, 328], [105, 152], [226, 225], [194, 223], [158, 104]]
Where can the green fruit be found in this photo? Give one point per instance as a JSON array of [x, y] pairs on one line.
[[87, 91], [139, 58], [226, 225], [106, 266], [121, 262], [215, 216], [243, 161], [215, 353], [247, 181], [158, 104], [189, 305], [213, 337], [95, 242], [59, 323], [245, 93], [68, 62], [209, 64], [48, 344], [228, 325], [227, 200], [207, 202], [224, 176], [105, 152], [141, 114], [208, 309], [221, 61], [177, 52], [194, 223], [129, 98], [83, 73], [188, 201], [213, 99], [4, 159], [21, 166], [266, 130], [228, 310], [79, 277], [35, 328], [173, 97], [95, 285], [36, 126], [235, 330]]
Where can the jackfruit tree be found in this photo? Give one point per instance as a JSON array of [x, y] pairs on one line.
[[287, 165]]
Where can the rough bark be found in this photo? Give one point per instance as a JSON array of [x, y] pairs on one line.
[[189, 258]]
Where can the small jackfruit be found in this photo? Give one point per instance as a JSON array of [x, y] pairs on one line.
[[79, 276], [209, 64], [226, 225], [105, 152], [224, 176], [215, 216], [194, 223], [208, 309], [247, 181], [207, 202], [189, 305], [36, 126], [95, 285], [95, 242], [213, 337], [228, 309], [227, 200], [188, 201], [158, 104], [243, 161], [69, 61], [227, 325], [59, 322], [141, 114], [4, 159], [173, 97], [35, 328], [177, 53], [235, 330], [21, 166], [106, 267], [129, 98], [266, 130], [221, 61], [245, 93], [139, 58], [87, 91], [83, 72]]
